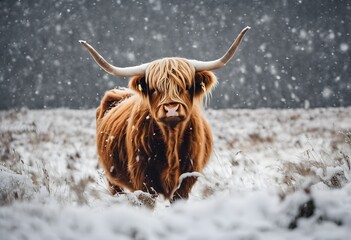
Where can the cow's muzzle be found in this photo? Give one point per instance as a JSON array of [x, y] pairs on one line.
[[171, 109], [173, 114]]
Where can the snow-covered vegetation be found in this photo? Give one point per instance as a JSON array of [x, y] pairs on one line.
[[274, 174]]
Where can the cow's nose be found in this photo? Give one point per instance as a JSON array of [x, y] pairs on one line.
[[171, 109]]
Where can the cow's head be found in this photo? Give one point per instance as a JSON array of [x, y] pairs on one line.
[[170, 85]]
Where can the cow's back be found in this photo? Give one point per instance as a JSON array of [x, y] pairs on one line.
[[111, 123]]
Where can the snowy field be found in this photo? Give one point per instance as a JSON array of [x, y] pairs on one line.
[[274, 174]]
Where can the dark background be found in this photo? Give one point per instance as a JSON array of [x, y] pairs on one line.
[[297, 53]]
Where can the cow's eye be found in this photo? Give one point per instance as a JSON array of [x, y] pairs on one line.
[[152, 91]]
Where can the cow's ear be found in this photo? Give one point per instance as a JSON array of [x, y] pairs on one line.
[[138, 84], [204, 82]]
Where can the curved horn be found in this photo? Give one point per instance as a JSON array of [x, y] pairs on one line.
[[116, 71], [221, 62]]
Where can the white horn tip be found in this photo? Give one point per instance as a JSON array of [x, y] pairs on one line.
[[247, 28], [82, 41]]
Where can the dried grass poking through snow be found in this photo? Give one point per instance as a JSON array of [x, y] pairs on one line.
[[280, 150], [271, 176]]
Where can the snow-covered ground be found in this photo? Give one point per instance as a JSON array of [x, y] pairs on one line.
[[274, 174]]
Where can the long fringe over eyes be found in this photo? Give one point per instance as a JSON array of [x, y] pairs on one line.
[[179, 70]]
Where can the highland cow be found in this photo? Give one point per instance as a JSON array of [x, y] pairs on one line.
[[153, 136]]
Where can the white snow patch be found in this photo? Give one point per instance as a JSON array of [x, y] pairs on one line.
[[265, 163]]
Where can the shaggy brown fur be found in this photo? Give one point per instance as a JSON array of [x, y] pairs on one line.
[[140, 147]]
